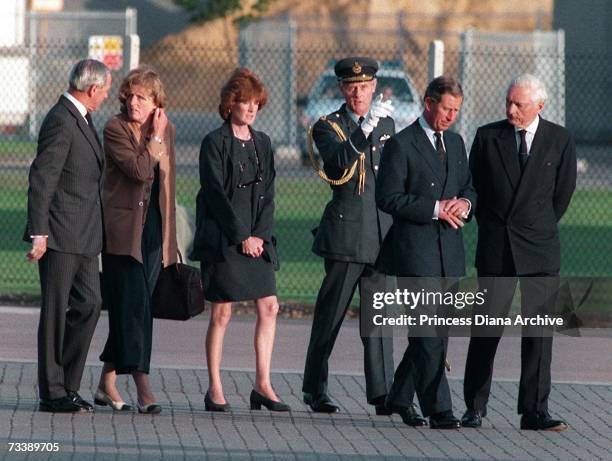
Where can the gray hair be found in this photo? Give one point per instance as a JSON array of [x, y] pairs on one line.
[[538, 93], [86, 73]]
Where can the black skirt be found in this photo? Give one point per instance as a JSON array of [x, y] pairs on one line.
[[127, 287], [238, 277]]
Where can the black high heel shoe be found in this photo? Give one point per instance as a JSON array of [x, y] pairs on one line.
[[102, 398], [209, 405], [257, 400]]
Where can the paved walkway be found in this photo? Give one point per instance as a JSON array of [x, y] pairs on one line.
[[185, 431]]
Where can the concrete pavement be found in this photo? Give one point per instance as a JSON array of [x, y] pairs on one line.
[[582, 394]]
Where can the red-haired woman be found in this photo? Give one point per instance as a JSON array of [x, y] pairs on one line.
[[233, 241]]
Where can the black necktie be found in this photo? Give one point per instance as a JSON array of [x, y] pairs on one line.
[[440, 146], [91, 126], [360, 120], [523, 151]]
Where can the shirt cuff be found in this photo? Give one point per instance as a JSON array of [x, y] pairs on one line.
[[35, 236], [436, 213]]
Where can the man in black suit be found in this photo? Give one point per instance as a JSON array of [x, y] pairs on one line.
[[524, 171], [424, 183], [350, 233], [65, 227]]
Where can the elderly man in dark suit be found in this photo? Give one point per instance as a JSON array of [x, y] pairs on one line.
[[425, 184], [350, 234], [524, 171], [65, 227]]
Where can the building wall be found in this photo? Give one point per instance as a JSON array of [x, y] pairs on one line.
[[588, 34]]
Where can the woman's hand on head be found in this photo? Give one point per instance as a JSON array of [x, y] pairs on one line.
[[159, 122]]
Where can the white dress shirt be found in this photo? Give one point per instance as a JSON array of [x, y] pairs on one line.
[[431, 135], [78, 104], [529, 135]]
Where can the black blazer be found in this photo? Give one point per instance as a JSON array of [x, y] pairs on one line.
[[517, 216], [411, 179], [217, 226], [351, 228], [64, 194]]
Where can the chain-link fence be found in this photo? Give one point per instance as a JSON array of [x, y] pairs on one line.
[[299, 78]]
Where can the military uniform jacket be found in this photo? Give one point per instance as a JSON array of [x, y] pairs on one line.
[[412, 178], [352, 228]]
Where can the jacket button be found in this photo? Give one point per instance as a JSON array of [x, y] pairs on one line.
[[340, 216], [261, 197], [374, 148], [140, 203], [376, 167], [432, 184]]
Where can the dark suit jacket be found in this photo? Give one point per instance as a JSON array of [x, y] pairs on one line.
[[352, 228], [128, 177], [64, 195], [217, 226], [411, 179], [517, 216]]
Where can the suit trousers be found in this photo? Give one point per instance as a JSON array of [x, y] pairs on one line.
[[71, 302], [422, 369], [538, 295], [337, 290]]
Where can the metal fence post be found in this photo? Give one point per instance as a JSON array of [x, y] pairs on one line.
[[133, 49], [32, 122], [436, 59], [292, 93], [131, 21]]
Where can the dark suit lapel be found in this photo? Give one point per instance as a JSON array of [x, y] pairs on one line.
[[451, 144], [346, 122], [84, 127], [538, 149], [427, 151], [227, 147], [537, 153], [508, 153]]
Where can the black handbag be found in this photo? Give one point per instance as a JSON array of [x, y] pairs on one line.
[[178, 294]]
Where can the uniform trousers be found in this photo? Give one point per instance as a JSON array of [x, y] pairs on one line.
[[337, 290]]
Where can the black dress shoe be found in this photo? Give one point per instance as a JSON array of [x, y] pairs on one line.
[[257, 400], [541, 421], [321, 403], [61, 405], [409, 415], [209, 405], [382, 410], [80, 401], [444, 420], [472, 418]]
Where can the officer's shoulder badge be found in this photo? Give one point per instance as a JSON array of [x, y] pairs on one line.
[[384, 137]]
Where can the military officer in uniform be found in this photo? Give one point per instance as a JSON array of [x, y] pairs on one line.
[[350, 234]]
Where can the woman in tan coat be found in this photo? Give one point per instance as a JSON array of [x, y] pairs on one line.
[[139, 221]]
